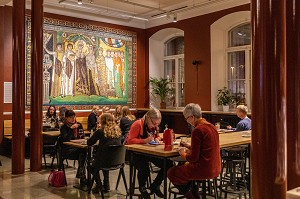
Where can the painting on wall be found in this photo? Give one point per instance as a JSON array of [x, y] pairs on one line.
[[85, 64]]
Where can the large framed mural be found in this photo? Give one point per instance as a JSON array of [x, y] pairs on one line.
[[85, 65]]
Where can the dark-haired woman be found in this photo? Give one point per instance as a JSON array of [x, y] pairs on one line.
[[51, 117], [70, 131]]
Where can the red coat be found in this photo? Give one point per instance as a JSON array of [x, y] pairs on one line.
[[204, 160]]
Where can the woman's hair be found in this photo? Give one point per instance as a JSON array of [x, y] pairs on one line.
[[95, 108], [192, 110], [243, 109], [48, 114], [118, 114], [153, 114], [109, 126], [105, 109], [127, 113], [69, 113]]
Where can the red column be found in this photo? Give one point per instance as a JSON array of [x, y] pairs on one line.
[[269, 99], [18, 101], [293, 94], [1, 69], [36, 86]]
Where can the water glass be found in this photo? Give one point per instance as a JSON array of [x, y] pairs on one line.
[[183, 141], [81, 133]]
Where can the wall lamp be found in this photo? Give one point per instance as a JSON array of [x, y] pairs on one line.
[[79, 2], [196, 63]]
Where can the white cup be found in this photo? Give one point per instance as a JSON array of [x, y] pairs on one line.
[[218, 126]]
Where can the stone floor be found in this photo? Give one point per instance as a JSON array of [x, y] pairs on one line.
[[34, 185]]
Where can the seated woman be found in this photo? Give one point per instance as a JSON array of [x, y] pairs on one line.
[[126, 121], [108, 134], [142, 131], [245, 122], [51, 117], [117, 113], [70, 131], [92, 118], [203, 154]]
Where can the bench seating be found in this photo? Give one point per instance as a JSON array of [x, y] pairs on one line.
[[8, 126]]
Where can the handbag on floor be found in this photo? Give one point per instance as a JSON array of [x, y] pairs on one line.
[[57, 178]]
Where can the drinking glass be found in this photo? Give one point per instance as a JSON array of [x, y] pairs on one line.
[[81, 133], [183, 141]]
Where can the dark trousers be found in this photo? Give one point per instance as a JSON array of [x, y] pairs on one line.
[[141, 163]]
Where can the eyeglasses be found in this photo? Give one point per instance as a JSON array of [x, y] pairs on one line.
[[153, 123], [188, 117]]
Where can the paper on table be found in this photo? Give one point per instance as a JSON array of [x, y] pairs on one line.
[[78, 140]]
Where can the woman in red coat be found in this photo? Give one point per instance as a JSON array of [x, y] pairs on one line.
[[202, 155]]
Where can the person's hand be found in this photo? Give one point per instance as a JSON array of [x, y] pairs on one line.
[[182, 151], [185, 144], [157, 139], [229, 127], [75, 126], [149, 139]]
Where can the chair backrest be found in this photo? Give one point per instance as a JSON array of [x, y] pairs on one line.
[[110, 157]]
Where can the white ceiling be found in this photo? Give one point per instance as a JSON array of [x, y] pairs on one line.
[[134, 13]]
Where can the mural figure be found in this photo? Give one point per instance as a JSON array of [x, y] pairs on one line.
[[109, 69], [92, 73], [118, 73], [56, 69], [102, 73], [68, 72], [81, 70]]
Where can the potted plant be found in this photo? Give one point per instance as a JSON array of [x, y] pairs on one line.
[[160, 87], [224, 98]]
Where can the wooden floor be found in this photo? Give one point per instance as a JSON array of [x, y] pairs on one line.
[[34, 185]]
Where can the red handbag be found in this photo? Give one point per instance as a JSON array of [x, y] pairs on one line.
[[57, 178]]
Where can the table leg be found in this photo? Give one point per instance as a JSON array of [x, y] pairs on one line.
[[131, 186], [165, 179], [89, 174]]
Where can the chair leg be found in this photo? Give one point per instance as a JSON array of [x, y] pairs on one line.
[[118, 180], [63, 168], [52, 161], [44, 155], [124, 180]]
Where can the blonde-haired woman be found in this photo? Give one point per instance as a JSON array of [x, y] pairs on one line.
[[126, 121], [108, 134]]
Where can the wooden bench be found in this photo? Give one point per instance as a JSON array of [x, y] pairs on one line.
[[8, 126], [84, 122], [7, 130]]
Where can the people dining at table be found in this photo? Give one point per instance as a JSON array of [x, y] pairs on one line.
[[92, 118], [143, 131], [202, 154], [245, 122], [51, 117], [126, 121], [70, 131], [108, 134]]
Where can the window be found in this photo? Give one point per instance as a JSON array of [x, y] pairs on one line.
[[174, 70], [238, 56]]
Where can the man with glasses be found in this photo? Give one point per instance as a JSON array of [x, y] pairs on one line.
[[202, 155], [142, 131]]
